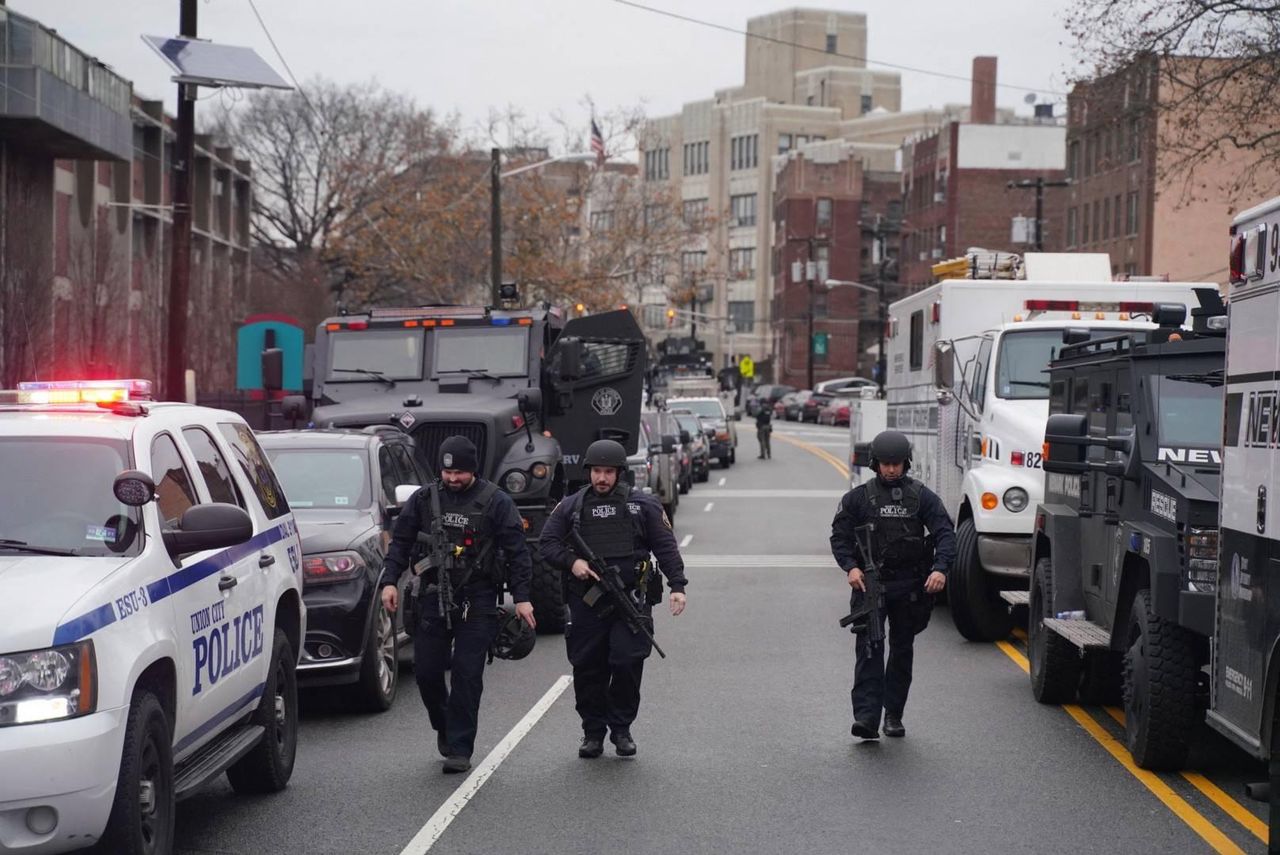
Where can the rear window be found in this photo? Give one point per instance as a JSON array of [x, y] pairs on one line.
[[705, 407], [323, 478]]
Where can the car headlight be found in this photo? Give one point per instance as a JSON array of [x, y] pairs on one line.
[[47, 685], [1016, 499], [515, 481], [331, 567]]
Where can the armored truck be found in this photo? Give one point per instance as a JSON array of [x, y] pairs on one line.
[[531, 389], [1125, 551]]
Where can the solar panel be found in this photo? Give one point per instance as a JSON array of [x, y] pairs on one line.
[[207, 64]]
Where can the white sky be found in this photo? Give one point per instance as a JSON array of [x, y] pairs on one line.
[[544, 56]]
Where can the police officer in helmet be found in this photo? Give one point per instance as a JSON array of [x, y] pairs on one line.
[[622, 527], [483, 532], [913, 568]]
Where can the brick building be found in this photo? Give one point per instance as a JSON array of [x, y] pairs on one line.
[[955, 183]]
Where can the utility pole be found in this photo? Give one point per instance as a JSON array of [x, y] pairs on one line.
[[811, 272], [1038, 184], [180, 266], [880, 287], [495, 226]]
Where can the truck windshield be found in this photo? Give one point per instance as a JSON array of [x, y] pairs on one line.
[[60, 497], [500, 351], [322, 478], [708, 408], [359, 357], [1021, 363], [1190, 413]]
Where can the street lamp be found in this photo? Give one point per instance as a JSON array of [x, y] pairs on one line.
[[495, 208]]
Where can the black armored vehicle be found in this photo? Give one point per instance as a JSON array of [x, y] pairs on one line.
[[531, 389], [1125, 557]]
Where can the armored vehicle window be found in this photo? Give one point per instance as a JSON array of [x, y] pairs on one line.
[[1080, 396], [323, 477], [501, 351], [1189, 413], [1021, 363], [174, 493], [1124, 402], [358, 356], [917, 340], [253, 463], [217, 476], [1058, 396], [1099, 405]]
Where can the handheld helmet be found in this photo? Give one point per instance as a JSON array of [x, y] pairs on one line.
[[605, 452], [891, 446], [515, 638]]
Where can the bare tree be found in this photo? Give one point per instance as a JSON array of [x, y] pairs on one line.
[[26, 281], [1211, 68]]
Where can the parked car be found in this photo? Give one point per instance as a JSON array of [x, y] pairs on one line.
[[793, 405], [698, 444], [766, 393], [341, 485], [720, 429], [813, 405], [660, 434], [843, 384], [836, 412]]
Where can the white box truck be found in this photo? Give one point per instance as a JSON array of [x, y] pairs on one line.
[[966, 383]]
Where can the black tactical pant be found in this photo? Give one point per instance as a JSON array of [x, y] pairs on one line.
[[462, 650], [608, 663], [876, 687], [762, 436]]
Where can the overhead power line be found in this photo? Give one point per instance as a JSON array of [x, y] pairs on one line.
[[930, 72]]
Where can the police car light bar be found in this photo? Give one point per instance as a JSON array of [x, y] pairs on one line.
[[78, 392]]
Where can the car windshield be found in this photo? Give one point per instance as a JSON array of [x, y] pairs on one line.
[[1022, 360], [689, 423], [60, 497], [707, 408], [322, 477], [500, 351], [1190, 413], [358, 357]]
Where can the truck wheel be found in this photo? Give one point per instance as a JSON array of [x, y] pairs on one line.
[[1055, 662], [977, 610], [547, 597], [375, 691], [1160, 668], [268, 767], [141, 821]]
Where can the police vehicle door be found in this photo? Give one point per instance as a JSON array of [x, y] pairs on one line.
[[603, 401], [211, 591], [1086, 399]]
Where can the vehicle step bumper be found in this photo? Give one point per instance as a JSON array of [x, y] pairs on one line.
[[1016, 598], [214, 759], [1084, 634]]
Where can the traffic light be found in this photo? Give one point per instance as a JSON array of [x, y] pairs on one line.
[[582, 307], [671, 317]]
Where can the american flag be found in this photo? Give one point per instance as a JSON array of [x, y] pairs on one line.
[[597, 142]]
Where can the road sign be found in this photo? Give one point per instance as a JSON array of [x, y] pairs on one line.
[[747, 367], [820, 344]]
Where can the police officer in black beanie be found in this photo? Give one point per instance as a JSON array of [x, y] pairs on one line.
[[483, 532]]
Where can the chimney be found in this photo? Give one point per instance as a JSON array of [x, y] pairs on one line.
[[982, 101]]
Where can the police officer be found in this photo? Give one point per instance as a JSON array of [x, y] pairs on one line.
[[912, 569], [622, 527], [764, 429], [483, 532]]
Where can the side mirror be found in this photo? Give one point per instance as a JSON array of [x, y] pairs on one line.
[[530, 400], [293, 407], [1169, 314], [1075, 335], [655, 448], [944, 365], [404, 492], [862, 454], [1067, 439], [685, 439], [668, 444], [570, 359], [272, 369], [217, 525]]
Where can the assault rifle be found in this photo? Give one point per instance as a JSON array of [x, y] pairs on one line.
[[611, 583], [864, 611], [441, 556]]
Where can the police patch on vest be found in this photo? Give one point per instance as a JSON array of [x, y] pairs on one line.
[[455, 520], [604, 511], [894, 511], [634, 507]]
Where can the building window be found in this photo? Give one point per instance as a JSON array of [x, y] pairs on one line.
[[696, 158], [823, 257], [1097, 221], [820, 308], [742, 263], [1131, 214], [784, 143], [657, 164], [743, 153], [654, 215], [1106, 218], [1084, 223], [894, 211], [1073, 159], [693, 262], [695, 212], [824, 214], [831, 42], [1071, 227], [1088, 156], [1106, 147], [866, 104], [742, 315], [601, 221], [742, 210], [1133, 139]]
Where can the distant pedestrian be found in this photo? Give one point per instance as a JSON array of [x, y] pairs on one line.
[[764, 427]]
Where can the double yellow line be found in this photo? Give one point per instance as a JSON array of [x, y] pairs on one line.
[[835, 462]]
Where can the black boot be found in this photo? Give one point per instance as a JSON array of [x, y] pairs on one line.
[[625, 744], [864, 730], [591, 747], [455, 764], [442, 744], [893, 726]]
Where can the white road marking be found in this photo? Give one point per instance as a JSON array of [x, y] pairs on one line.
[[685, 541], [758, 560], [771, 494], [709, 506], [721, 482], [448, 812]]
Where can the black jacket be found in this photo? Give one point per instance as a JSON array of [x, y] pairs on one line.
[[504, 524], [764, 415], [554, 546], [855, 510]]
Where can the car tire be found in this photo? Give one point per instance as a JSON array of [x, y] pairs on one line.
[[142, 813], [269, 765], [375, 691], [733, 456], [546, 595], [1054, 661], [705, 475], [1160, 670], [976, 609]]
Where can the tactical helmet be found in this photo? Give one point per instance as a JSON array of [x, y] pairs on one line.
[[890, 446], [515, 638], [605, 452]]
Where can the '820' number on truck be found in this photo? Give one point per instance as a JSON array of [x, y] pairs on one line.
[[1028, 459]]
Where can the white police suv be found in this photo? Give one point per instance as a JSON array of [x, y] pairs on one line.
[[150, 615]]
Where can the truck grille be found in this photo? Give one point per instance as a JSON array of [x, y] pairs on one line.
[[430, 435]]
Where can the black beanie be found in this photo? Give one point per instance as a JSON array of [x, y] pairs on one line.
[[458, 452]]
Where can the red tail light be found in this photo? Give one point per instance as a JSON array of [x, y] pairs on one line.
[[1237, 260], [1052, 305], [335, 567], [1016, 458]]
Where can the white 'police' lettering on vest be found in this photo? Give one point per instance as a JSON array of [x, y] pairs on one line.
[[601, 512], [455, 520], [634, 507], [898, 511]]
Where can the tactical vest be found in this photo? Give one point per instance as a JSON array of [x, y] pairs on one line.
[[900, 543], [468, 521], [612, 531]]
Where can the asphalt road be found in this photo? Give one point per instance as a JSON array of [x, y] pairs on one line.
[[743, 733]]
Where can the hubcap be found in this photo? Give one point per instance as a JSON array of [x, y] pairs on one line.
[[386, 653]]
